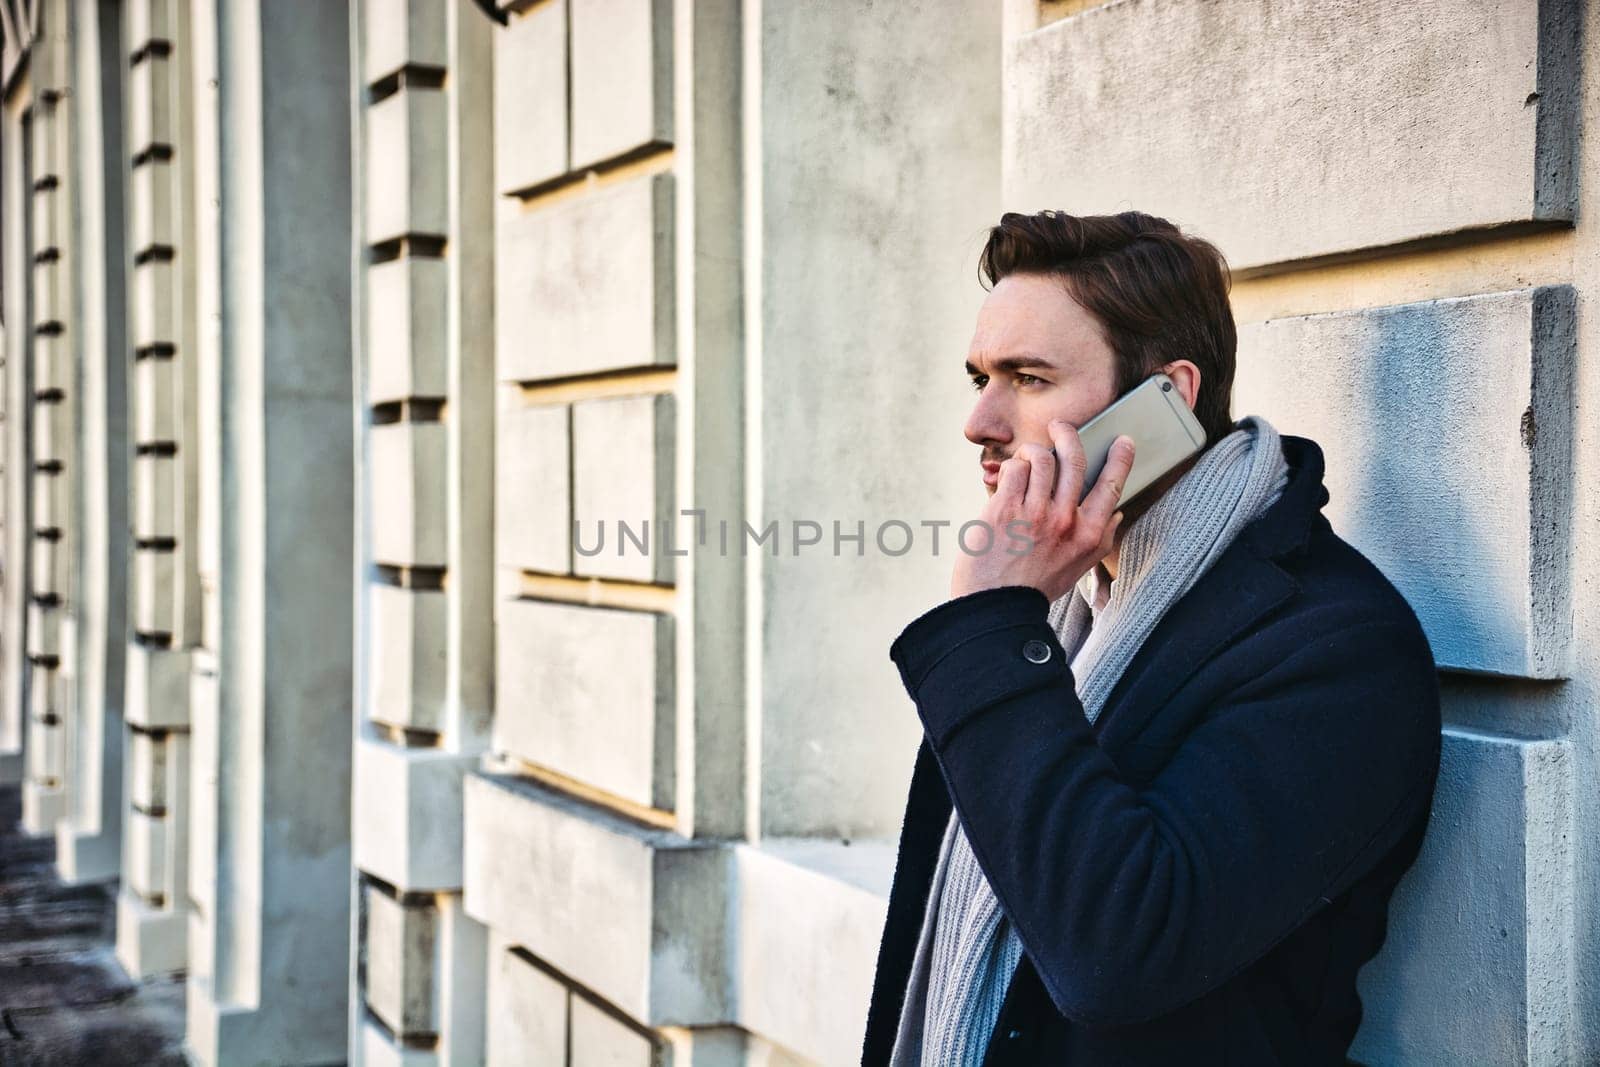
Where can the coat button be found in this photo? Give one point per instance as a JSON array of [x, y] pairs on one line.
[[1013, 1035], [1036, 651]]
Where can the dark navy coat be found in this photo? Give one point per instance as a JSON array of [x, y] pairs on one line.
[[1197, 876]]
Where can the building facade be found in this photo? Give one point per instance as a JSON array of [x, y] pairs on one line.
[[464, 465]]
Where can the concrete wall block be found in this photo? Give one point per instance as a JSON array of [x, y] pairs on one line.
[[530, 98], [621, 77], [148, 20], [460, 989], [409, 658], [1477, 965], [623, 923], [600, 1037], [406, 810], [150, 941], [44, 805], [527, 1010], [399, 968], [589, 692], [46, 751], [50, 500], [155, 400], [150, 104], [60, 132], [158, 687], [147, 765], [49, 159], [153, 187], [154, 602], [153, 322], [379, 1049], [809, 915], [47, 221], [1458, 107], [623, 472], [50, 58], [52, 368], [1470, 518], [44, 629], [533, 494], [407, 157], [402, 33], [408, 493], [52, 565], [44, 693], [586, 285], [406, 321], [50, 297], [146, 863], [155, 499], [52, 433]]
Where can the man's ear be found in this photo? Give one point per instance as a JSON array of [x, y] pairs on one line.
[[1186, 376]]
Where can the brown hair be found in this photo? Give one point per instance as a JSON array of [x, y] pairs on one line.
[[1160, 295]]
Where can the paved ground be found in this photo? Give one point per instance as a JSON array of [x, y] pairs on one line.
[[64, 1000]]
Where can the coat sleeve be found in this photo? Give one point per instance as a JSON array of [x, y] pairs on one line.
[[1133, 901]]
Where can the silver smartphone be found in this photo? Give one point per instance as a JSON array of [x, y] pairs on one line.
[[1164, 431]]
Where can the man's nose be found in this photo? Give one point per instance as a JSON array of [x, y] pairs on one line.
[[987, 422]]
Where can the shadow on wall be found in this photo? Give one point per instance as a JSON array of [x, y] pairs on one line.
[[1452, 489]]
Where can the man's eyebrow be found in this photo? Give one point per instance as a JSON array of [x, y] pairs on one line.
[[1015, 363]]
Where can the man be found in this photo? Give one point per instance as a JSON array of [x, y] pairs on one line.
[[1176, 758]]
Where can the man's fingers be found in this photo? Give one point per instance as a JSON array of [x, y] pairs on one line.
[[1013, 481], [1071, 463], [1041, 477], [1107, 492]]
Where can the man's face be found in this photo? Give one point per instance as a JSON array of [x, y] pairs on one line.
[[1036, 355]]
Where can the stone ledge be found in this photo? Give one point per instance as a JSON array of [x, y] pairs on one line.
[[640, 916]]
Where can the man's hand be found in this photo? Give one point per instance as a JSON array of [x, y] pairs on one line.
[[1039, 495]]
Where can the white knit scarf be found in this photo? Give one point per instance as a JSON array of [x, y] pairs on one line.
[[968, 950]]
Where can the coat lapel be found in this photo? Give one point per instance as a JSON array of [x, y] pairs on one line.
[[1239, 589]]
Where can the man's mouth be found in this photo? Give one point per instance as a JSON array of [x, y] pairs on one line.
[[991, 472]]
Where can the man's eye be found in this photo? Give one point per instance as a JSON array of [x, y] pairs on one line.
[[1027, 379], [978, 380]]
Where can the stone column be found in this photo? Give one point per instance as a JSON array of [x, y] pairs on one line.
[[48, 263], [720, 227], [271, 716], [74, 631], [162, 89], [89, 840], [426, 531], [16, 204]]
